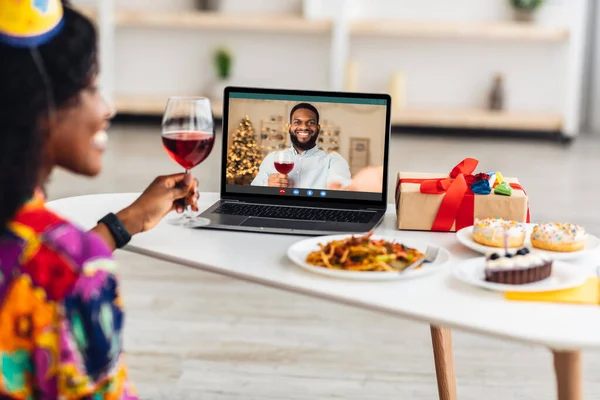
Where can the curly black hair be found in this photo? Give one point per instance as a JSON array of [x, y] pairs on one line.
[[32, 83], [306, 106]]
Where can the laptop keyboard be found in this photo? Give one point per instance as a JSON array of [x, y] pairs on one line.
[[297, 213]]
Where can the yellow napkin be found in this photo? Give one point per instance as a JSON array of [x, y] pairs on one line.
[[588, 293]]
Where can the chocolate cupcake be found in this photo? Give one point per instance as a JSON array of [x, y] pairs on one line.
[[519, 268]]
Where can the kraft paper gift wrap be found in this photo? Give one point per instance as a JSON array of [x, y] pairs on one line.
[[445, 202]]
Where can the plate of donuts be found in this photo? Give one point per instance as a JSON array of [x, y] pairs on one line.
[[559, 241]]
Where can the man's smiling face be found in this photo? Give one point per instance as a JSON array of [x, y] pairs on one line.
[[304, 129]]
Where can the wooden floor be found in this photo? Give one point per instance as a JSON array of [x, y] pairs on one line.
[[193, 335]]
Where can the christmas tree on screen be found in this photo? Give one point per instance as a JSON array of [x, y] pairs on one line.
[[244, 155]]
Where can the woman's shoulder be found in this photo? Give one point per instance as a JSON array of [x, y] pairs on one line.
[[54, 252], [62, 235]]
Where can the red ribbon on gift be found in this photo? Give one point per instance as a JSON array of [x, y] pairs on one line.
[[458, 204]]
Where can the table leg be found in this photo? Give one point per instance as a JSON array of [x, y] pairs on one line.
[[567, 366], [441, 339]]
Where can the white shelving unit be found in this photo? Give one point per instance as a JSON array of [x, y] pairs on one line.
[[343, 30], [487, 31]]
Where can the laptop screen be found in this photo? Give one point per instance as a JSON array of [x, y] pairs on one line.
[[305, 145]]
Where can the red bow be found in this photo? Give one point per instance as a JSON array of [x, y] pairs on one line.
[[459, 203]]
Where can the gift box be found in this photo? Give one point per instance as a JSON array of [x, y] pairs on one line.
[[450, 202]]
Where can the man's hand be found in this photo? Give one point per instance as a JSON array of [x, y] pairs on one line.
[[165, 194], [279, 180], [369, 179]]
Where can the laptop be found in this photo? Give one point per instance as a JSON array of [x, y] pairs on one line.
[[289, 157]]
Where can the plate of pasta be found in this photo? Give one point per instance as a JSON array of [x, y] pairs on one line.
[[367, 257]]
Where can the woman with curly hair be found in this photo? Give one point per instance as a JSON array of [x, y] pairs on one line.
[[61, 314]]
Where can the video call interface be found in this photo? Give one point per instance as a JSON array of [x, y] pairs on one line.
[[303, 146]]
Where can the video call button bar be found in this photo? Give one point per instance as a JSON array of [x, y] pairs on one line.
[[300, 192]]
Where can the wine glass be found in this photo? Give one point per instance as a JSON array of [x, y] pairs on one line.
[[284, 162], [188, 136]]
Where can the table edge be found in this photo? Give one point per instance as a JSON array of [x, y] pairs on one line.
[[131, 248]]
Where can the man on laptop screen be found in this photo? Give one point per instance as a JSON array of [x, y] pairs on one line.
[[313, 168], [305, 145]]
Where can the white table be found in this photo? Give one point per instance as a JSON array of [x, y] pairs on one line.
[[438, 299]]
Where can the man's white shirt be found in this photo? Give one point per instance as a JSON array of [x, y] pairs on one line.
[[313, 169]]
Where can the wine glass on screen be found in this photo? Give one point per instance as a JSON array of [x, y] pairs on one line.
[[188, 136], [284, 162]]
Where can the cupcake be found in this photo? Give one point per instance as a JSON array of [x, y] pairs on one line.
[[491, 231], [558, 237], [519, 268]]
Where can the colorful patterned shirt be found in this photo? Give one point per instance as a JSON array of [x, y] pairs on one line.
[[61, 315]]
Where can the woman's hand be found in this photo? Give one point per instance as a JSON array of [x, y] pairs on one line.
[[165, 194]]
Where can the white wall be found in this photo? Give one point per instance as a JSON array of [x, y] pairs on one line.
[[171, 61], [438, 72], [459, 74]]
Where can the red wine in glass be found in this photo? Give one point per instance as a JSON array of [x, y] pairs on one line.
[[284, 161], [188, 149], [284, 167], [188, 136]]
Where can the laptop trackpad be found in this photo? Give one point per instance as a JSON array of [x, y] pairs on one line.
[[282, 224]]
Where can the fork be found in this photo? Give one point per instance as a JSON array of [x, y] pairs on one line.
[[430, 256]]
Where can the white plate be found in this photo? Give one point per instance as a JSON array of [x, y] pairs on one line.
[[564, 276], [465, 236], [300, 250]]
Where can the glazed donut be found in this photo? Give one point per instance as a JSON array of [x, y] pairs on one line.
[[490, 232], [558, 237]]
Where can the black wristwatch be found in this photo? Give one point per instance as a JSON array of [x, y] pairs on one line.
[[117, 229]]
